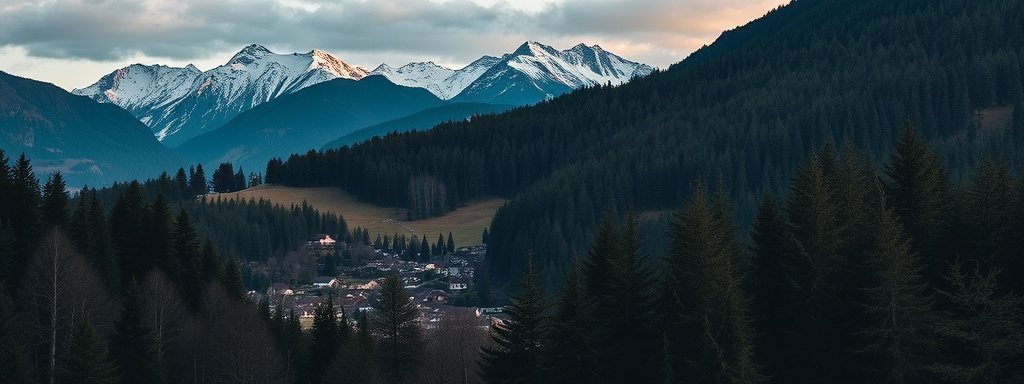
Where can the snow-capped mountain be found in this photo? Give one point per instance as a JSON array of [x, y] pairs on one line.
[[180, 103], [441, 81], [536, 72]]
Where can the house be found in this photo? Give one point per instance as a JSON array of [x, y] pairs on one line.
[[326, 282], [280, 289], [458, 284], [324, 240], [436, 296], [369, 286]]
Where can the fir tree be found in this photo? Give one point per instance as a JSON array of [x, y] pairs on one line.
[[571, 355], [395, 326], [55, 210], [231, 279], [984, 330], [451, 244], [916, 187], [198, 181], [160, 237], [86, 360], [325, 339], [23, 212], [516, 353], [629, 336], [133, 345], [129, 220], [898, 342], [709, 331]]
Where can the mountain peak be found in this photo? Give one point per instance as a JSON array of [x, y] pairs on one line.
[[249, 54]]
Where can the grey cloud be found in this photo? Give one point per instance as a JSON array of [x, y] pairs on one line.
[[458, 30]]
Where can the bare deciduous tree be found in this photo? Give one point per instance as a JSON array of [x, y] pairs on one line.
[[454, 346], [167, 312], [60, 287]]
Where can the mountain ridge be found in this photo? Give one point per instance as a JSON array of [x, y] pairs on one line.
[[88, 142]]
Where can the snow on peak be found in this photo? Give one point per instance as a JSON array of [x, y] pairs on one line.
[[180, 103]]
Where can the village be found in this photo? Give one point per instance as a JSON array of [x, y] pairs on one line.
[[444, 285]]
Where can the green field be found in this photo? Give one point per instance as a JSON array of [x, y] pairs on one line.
[[466, 223]]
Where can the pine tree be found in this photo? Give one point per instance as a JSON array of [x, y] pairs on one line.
[[709, 332], [812, 214], [516, 352], [898, 342], [211, 269], [86, 360], [198, 181], [14, 363], [571, 355], [103, 257], [917, 191], [451, 244], [325, 339], [133, 345], [232, 280], [23, 212], [55, 209], [770, 277], [425, 252], [190, 277], [129, 220], [984, 330], [181, 183], [599, 266], [160, 237], [485, 237], [395, 326], [629, 336]]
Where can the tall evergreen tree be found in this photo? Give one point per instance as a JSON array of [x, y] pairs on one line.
[[86, 360], [55, 210], [190, 277], [815, 352], [984, 330], [198, 181], [709, 332], [899, 345], [629, 335], [516, 352], [181, 183], [324, 339], [23, 212], [917, 186], [451, 244], [232, 280], [160, 235], [571, 355], [105, 260], [211, 269], [769, 278], [129, 220], [395, 326], [133, 345]]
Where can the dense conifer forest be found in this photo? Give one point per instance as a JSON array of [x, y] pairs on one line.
[[746, 110]]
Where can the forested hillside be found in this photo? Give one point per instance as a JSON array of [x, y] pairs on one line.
[[744, 111]]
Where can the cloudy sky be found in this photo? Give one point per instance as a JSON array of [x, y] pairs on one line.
[[72, 43]]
